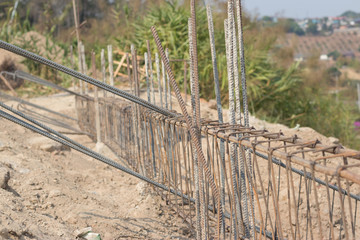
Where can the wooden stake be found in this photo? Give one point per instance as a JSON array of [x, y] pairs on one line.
[[111, 69], [97, 109], [8, 84]]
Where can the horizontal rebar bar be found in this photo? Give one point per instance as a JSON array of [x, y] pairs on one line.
[[19, 51]]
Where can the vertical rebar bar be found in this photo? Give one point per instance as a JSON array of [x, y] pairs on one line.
[[193, 132], [147, 77], [96, 99], [163, 74], [245, 100], [151, 71], [197, 114], [218, 102], [195, 63], [241, 170], [72, 66], [158, 77], [103, 69], [78, 41], [111, 68], [242, 62], [81, 88], [185, 81], [228, 47], [84, 66], [196, 167], [168, 82]]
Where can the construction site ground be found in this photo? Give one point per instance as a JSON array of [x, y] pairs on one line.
[[49, 192]]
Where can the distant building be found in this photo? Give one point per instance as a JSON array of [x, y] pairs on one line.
[[349, 55], [298, 57], [324, 57]]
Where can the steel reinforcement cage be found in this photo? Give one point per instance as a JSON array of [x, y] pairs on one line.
[[298, 189]]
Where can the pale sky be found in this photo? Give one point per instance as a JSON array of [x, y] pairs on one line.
[[301, 8]]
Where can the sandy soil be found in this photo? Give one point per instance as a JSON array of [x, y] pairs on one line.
[[50, 191]]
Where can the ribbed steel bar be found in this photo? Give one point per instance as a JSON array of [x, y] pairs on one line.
[[163, 76], [96, 98], [218, 102], [80, 148], [239, 159], [111, 66], [236, 224], [81, 70], [103, 69], [193, 107], [84, 67], [168, 83], [193, 132], [157, 63], [29, 77], [195, 63], [136, 112], [245, 100], [242, 62], [22, 101], [234, 53], [147, 77], [83, 77], [72, 65], [151, 72]]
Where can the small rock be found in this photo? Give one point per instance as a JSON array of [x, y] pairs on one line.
[[47, 144], [81, 233], [99, 147], [297, 127], [48, 147], [141, 188], [24, 170], [4, 147], [92, 236], [55, 193], [334, 140], [4, 177], [212, 104]]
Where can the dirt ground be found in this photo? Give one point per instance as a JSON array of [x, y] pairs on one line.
[[51, 191]]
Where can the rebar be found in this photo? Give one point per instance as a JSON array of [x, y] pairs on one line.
[[157, 63], [147, 77], [151, 72], [103, 69], [218, 103], [168, 82], [83, 77], [198, 198], [163, 75], [193, 131], [84, 67], [111, 68]]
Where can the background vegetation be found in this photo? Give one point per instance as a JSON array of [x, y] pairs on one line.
[[279, 89]]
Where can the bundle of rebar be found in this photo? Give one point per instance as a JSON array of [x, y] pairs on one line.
[[227, 180]]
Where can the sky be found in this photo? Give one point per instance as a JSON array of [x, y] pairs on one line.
[[301, 8]]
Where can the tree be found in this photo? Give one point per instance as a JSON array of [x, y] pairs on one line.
[[312, 28], [350, 14], [267, 19], [291, 26], [332, 74], [334, 54]]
